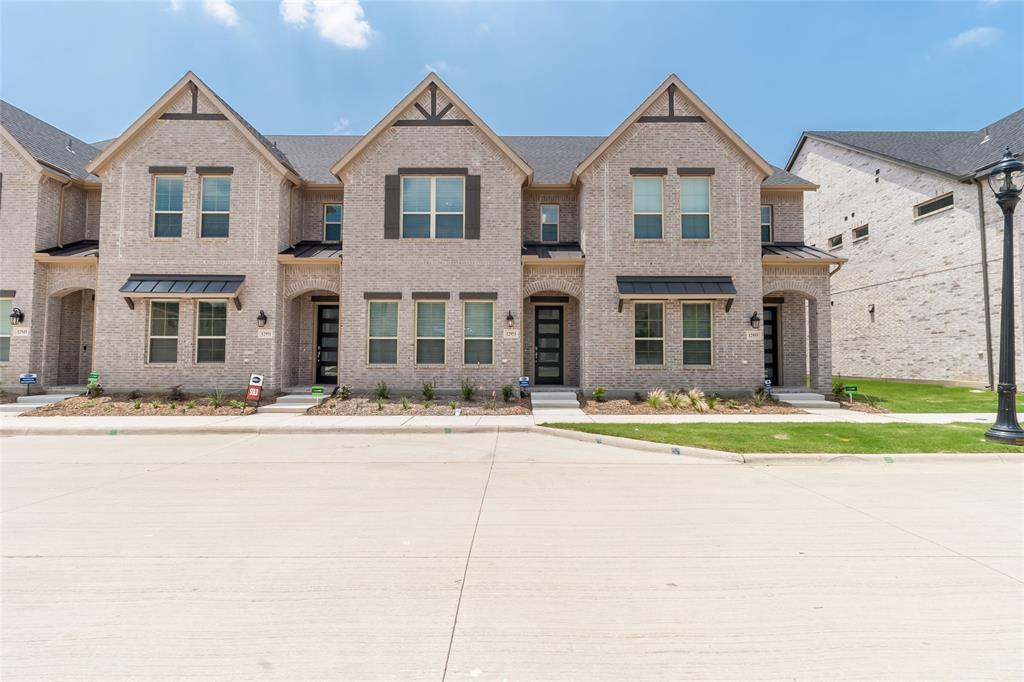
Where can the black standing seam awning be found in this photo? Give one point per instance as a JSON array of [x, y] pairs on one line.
[[683, 287], [182, 286]]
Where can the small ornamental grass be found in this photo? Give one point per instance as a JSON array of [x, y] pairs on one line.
[[697, 401], [676, 400], [656, 398]]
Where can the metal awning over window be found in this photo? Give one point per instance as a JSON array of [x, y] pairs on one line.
[[790, 253], [686, 287], [182, 286]]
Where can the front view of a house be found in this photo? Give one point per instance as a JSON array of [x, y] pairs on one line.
[[194, 250]]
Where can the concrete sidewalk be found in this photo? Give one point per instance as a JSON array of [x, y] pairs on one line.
[[300, 423]]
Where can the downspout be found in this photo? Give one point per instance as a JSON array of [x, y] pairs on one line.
[[984, 284]]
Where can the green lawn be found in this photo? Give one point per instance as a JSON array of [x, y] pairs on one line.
[[800, 437], [897, 396]]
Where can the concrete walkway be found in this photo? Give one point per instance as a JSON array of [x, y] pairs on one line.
[[498, 556]]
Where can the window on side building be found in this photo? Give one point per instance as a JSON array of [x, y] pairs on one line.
[[933, 205], [835, 241], [767, 224], [430, 328], [549, 222], [433, 207]]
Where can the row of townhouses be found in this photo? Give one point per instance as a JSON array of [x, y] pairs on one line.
[[913, 214], [193, 250]]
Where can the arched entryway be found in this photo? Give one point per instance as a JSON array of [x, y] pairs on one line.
[[551, 338], [794, 356], [311, 338], [68, 342]]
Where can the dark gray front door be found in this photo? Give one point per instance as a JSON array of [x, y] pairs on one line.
[[549, 350], [327, 344], [772, 368]]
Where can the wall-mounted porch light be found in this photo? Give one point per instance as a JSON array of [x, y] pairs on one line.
[[755, 320], [17, 317], [510, 320], [261, 319]]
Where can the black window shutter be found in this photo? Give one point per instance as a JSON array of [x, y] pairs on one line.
[[472, 207], [392, 211]]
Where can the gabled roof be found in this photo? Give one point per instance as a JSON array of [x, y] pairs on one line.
[[783, 179], [953, 153], [48, 145], [673, 83], [431, 81], [276, 158], [313, 155]]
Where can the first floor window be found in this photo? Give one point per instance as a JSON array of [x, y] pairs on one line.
[[697, 334], [549, 223], [647, 208], [216, 205], [6, 306], [332, 222], [648, 334], [163, 331], [383, 332], [478, 333], [167, 206], [766, 224], [430, 333], [695, 200], [211, 331], [433, 207]]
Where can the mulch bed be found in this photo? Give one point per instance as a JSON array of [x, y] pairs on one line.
[[6, 397], [367, 406], [635, 407], [149, 405]]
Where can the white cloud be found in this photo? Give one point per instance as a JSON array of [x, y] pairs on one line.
[[436, 67], [976, 37], [342, 125], [177, 5], [221, 10], [341, 22]]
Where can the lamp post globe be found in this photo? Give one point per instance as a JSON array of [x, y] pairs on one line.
[[1006, 180]]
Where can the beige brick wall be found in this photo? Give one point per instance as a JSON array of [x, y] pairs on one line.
[[568, 214], [788, 214], [924, 276], [312, 217]]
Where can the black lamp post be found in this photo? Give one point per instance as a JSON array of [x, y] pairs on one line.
[[1006, 181]]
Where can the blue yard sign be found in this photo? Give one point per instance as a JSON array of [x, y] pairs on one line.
[[28, 379], [524, 382]]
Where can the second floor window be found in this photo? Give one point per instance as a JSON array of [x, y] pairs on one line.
[[167, 206], [549, 222], [647, 208], [767, 231], [332, 222], [216, 204], [695, 202], [433, 207]]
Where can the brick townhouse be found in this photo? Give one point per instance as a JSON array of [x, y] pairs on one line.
[[193, 250], [913, 213]]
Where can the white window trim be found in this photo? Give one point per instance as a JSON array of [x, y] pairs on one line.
[[867, 233], [833, 247], [478, 338], [150, 336], [661, 182], [433, 212], [682, 213], [443, 338], [917, 207], [157, 212], [7, 336], [398, 330], [198, 304], [649, 338], [770, 223], [557, 223], [711, 338], [203, 212], [341, 223]]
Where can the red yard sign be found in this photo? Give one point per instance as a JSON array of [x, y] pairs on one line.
[[255, 391]]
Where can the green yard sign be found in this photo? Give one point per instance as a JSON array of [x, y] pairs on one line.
[[94, 377], [317, 390], [850, 389]]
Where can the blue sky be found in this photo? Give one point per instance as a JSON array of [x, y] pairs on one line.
[[770, 69]]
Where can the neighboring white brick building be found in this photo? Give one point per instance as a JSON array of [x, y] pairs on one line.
[[923, 252], [193, 249]]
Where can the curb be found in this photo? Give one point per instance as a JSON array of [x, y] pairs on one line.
[[642, 445], [242, 429]]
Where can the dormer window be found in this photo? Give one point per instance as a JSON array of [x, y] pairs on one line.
[[433, 207]]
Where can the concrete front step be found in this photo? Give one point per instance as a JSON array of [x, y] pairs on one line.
[[44, 398], [294, 403], [554, 400], [812, 404], [298, 399]]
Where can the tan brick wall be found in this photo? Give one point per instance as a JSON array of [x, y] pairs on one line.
[[312, 216], [568, 214], [788, 214]]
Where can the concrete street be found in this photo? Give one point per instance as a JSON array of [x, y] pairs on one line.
[[513, 556]]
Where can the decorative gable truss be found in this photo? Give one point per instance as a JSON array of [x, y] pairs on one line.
[[440, 106]]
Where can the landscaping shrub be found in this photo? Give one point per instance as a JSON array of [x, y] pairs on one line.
[[174, 405], [156, 404], [468, 390], [759, 396], [383, 391], [427, 404], [676, 399], [237, 404], [176, 394], [380, 403], [696, 398], [216, 399], [190, 405], [94, 389], [137, 404], [508, 391], [656, 398], [405, 402], [454, 404], [732, 404], [135, 394], [712, 401], [344, 391], [838, 388], [427, 389], [599, 394]]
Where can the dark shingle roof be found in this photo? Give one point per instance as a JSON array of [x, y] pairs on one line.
[[257, 134], [955, 153], [313, 155], [552, 158], [783, 178], [48, 144]]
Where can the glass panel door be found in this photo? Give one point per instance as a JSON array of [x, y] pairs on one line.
[[327, 344], [548, 345], [772, 369]]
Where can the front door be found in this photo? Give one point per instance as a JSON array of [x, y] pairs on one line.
[[327, 344], [548, 354], [772, 368]]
